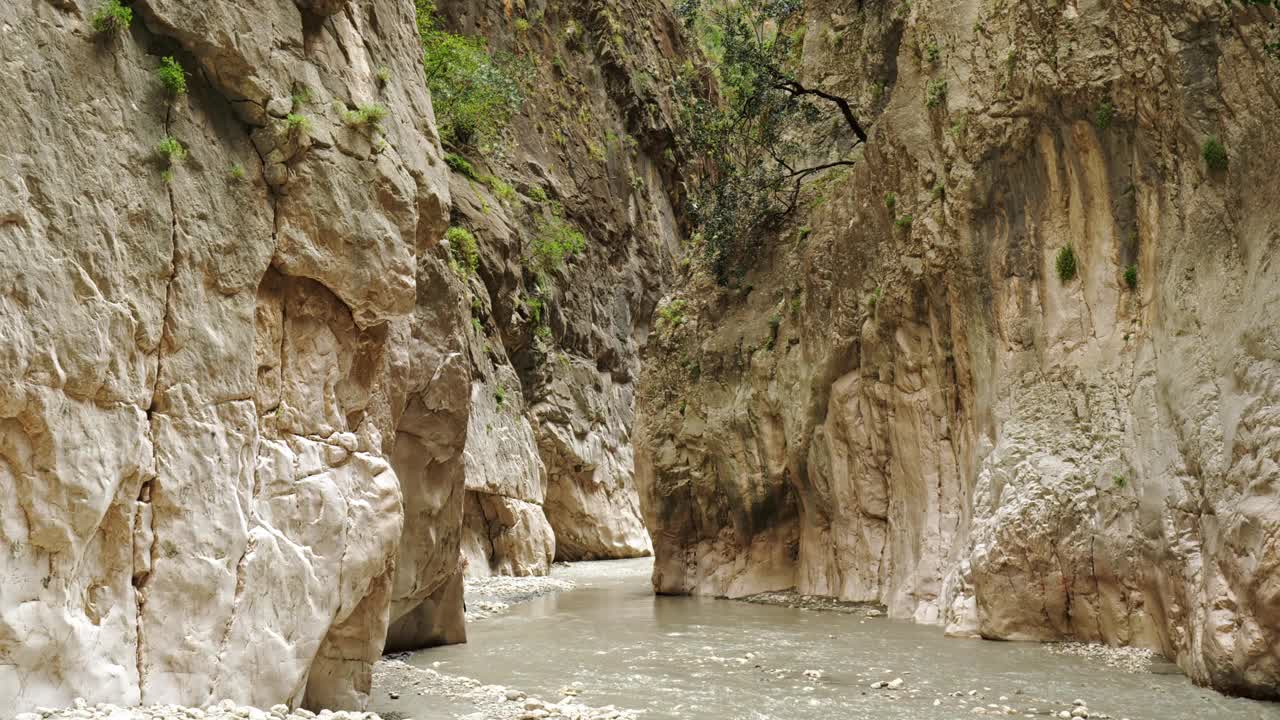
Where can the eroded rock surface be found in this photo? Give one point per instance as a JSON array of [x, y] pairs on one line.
[[203, 372], [555, 353], [904, 404]]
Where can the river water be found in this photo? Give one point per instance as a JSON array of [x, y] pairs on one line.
[[705, 659]]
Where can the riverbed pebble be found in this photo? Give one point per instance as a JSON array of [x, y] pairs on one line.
[[224, 710]]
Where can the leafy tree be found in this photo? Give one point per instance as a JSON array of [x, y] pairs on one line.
[[747, 134], [475, 92]]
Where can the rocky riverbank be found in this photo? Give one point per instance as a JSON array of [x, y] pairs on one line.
[[225, 710], [486, 597], [399, 687]]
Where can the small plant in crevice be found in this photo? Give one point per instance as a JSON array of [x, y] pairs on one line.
[[172, 76], [804, 232], [475, 325], [296, 123], [890, 201], [1120, 482], [775, 323], [171, 151], [522, 25], [111, 17], [166, 176], [367, 115], [464, 251], [500, 395], [935, 93], [537, 194], [1103, 116], [672, 314], [1065, 264], [939, 191], [1131, 277], [301, 97], [874, 298], [542, 332], [237, 172], [460, 165], [932, 53], [1214, 154], [904, 221], [383, 75], [556, 240]]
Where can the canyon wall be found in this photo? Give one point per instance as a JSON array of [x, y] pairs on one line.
[[230, 387], [904, 404], [555, 353]]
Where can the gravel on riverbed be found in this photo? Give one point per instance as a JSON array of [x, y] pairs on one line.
[[486, 597], [1129, 659], [793, 599], [225, 710], [395, 677]]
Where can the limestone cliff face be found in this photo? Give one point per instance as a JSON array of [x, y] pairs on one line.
[[229, 393], [905, 405], [549, 468]]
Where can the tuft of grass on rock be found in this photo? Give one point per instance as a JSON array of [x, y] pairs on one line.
[[1131, 277], [172, 76], [171, 151], [1214, 154], [1065, 264], [111, 17]]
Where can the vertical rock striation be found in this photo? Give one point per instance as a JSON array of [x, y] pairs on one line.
[[204, 369], [555, 352], [935, 420]]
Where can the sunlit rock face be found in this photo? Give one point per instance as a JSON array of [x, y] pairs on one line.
[[204, 370], [905, 403]]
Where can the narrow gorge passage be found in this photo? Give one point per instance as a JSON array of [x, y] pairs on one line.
[[531, 359], [611, 641]]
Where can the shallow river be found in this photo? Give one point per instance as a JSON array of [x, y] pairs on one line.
[[679, 657]]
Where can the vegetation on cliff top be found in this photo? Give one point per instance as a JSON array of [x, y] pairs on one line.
[[475, 92], [746, 136]]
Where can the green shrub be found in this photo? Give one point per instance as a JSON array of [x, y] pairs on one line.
[[365, 115], [935, 92], [775, 323], [499, 395], [673, 313], [475, 325], [1103, 116], [166, 175], [464, 251], [1121, 481], [555, 241], [475, 92], [172, 76], [542, 332], [890, 201], [237, 172], [904, 221], [111, 17], [932, 53], [171, 151], [297, 123], [1215, 155], [874, 298], [534, 306], [537, 194], [1131, 277], [522, 25], [301, 97], [501, 189], [383, 75], [1066, 264], [460, 165]]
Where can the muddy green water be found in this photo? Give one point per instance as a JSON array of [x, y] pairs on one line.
[[678, 657]]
